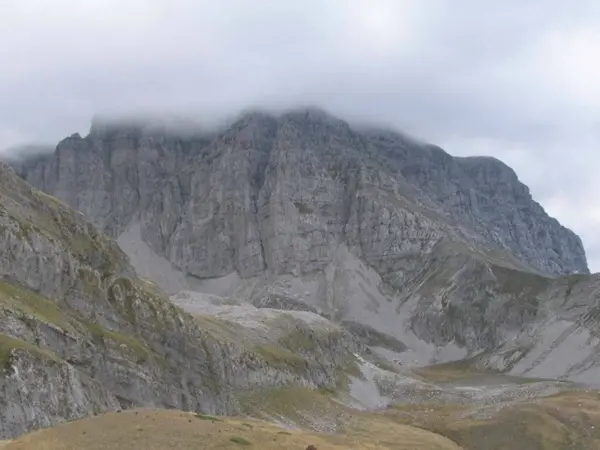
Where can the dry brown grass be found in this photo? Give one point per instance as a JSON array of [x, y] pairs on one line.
[[564, 421], [451, 371], [162, 430], [569, 420], [463, 370]]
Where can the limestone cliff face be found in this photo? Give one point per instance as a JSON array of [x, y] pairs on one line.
[[109, 173], [280, 194], [383, 247], [81, 333], [449, 256]]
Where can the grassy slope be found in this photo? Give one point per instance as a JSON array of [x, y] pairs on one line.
[[158, 430], [564, 421], [568, 420]]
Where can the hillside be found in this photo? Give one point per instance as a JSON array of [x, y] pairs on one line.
[[160, 430], [553, 423], [298, 277], [450, 256], [81, 333]]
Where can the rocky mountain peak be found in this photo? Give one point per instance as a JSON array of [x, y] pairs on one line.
[[250, 175]]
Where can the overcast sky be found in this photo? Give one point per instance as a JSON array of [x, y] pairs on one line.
[[517, 79]]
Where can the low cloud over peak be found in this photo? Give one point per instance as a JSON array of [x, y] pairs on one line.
[[515, 80]]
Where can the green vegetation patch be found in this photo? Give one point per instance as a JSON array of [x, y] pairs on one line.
[[131, 342], [281, 358], [520, 283], [574, 280], [452, 371], [220, 329], [384, 364], [240, 440], [373, 337], [350, 368], [8, 344], [28, 302], [295, 403], [299, 340], [207, 417], [26, 228], [47, 197]]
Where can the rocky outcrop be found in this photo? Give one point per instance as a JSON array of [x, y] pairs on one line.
[[444, 257], [81, 333], [280, 193]]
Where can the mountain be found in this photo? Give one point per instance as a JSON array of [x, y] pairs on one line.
[[297, 270], [450, 256], [81, 333], [253, 184]]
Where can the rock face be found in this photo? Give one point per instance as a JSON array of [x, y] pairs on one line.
[[449, 257], [81, 333], [279, 194]]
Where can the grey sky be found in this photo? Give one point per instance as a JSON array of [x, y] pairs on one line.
[[515, 79]]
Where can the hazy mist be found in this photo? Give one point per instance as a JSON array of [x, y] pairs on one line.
[[517, 80]]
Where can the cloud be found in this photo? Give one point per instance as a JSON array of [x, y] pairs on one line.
[[514, 79]]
